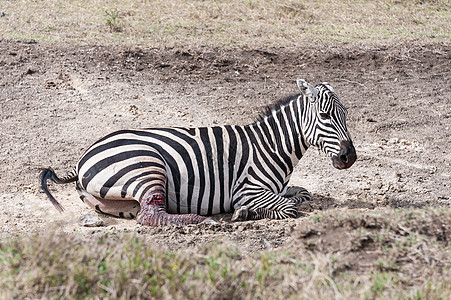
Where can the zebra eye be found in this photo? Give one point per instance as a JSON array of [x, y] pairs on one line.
[[324, 116]]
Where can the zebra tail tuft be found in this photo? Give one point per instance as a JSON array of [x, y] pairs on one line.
[[48, 173]]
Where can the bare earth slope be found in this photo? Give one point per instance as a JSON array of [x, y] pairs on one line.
[[56, 100]]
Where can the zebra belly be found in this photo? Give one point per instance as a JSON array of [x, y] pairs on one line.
[[197, 195], [200, 171]]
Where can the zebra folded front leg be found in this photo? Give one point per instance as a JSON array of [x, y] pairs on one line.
[[298, 194], [153, 213], [244, 213], [267, 206]]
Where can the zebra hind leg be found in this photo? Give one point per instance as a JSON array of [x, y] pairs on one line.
[[153, 212], [127, 209]]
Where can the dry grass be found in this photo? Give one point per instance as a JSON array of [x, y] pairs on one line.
[[396, 255], [252, 23]]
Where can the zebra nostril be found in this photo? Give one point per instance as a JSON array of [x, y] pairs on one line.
[[344, 158]]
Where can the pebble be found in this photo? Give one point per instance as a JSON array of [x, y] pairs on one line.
[[89, 220], [210, 221]]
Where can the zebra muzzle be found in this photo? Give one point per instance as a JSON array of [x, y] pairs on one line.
[[346, 157]]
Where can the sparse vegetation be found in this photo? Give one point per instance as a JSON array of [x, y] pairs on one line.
[[113, 20], [235, 23], [417, 265]]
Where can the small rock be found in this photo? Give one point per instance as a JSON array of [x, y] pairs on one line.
[[210, 221], [393, 141], [89, 220], [30, 71]]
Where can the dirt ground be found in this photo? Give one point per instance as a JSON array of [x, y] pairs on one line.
[[56, 100]]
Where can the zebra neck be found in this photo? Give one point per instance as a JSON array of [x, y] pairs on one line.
[[281, 131]]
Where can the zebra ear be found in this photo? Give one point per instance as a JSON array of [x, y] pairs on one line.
[[307, 89]]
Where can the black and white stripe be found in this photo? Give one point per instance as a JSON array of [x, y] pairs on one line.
[[212, 170]]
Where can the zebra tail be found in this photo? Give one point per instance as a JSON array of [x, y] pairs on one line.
[[48, 173]]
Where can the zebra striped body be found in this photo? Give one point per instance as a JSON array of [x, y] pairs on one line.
[[212, 170], [208, 169]]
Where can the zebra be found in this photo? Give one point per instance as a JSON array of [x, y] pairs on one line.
[[178, 175]]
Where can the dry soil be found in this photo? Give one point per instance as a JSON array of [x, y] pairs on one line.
[[56, 100]]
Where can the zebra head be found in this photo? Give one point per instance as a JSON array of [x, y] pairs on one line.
[[324, 123]]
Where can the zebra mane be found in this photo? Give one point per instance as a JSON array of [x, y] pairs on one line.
[[276, 106]]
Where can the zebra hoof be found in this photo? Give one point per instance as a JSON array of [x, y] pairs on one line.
[[240, 214]]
